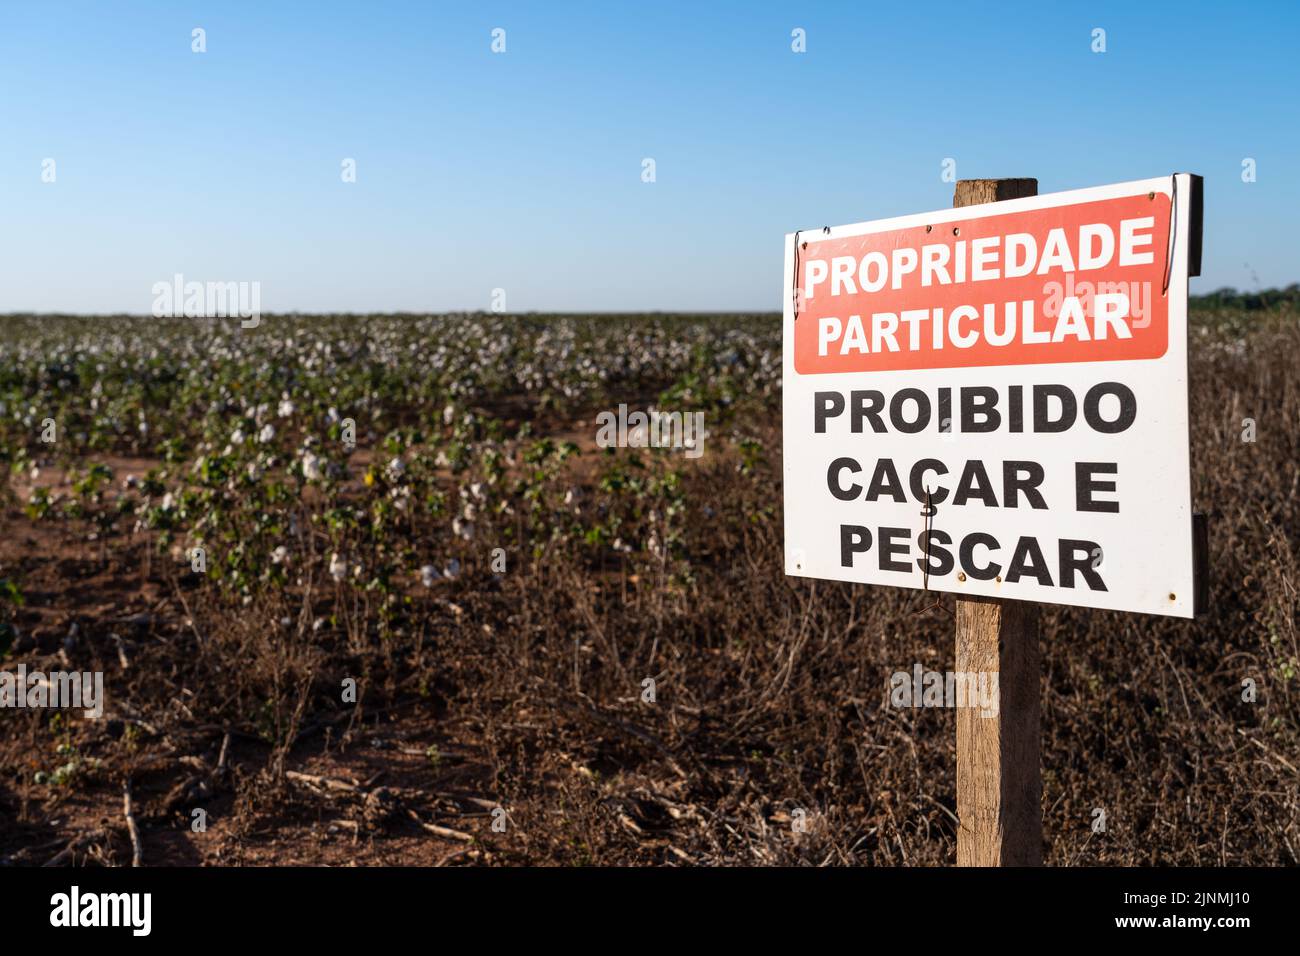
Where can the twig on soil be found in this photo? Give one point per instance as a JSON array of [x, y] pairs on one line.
[[332, 783], [445, 832], [121, 652], [447, 858], [221, 759], [488, 805], [642, 735], [329, 783], [23, 853], [1276, 756], [137, 851], [75, 844]]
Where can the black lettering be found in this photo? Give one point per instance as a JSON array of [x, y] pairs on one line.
[[974, 475], [866, 404], [945, 410], [854, 539], [1069, 408], [933, 552], [832, 479], [1128, 407], [884, 481], [918, 486], [968, 545], [890, 547], [986, 408], [1029, 559], [922, 411], [1071, 562], [1085, 485], [1013, 485], [826, 405]]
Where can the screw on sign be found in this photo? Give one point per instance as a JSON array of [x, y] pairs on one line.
[[992, 401]]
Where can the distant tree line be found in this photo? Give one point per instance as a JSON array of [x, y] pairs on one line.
[[1230, 298]]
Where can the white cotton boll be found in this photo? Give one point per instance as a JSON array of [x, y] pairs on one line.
[[311, 467], [452, 571], [338, 567], [429, 574], [280, 555], [267, 433], [286, 408], [396, 468]]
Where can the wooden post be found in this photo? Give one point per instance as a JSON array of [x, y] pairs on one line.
[[999, 773]]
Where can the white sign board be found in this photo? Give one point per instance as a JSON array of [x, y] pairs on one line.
[[992, 400]]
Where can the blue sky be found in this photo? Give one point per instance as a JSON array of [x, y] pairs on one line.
[[522, 171]]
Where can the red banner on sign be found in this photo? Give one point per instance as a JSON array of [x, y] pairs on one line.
[[1076, 283]]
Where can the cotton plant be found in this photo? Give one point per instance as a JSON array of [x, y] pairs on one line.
[[430, 574], [221, 402], [313, 466]]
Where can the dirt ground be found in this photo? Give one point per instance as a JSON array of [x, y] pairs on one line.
[[500, 718]]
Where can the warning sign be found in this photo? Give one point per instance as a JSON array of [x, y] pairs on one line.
[[992, 400]]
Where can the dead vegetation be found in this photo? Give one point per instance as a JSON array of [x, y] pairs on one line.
[[518, 698]]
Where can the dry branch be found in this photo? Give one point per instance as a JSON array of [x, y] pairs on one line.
[[137, 851]]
